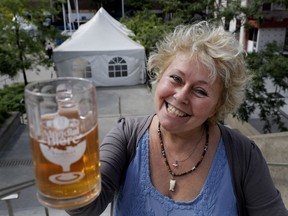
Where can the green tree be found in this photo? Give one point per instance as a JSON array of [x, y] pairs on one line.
[[23, 36], [265, 65], [188, 11], [10, 100], [136, 5], [147, 27]]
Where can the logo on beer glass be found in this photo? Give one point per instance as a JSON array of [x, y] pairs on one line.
[[63, 146]]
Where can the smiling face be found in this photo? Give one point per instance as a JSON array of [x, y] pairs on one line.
[[185, 95]]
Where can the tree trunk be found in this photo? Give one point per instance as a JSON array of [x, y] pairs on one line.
[[21, 56], [24, 76]]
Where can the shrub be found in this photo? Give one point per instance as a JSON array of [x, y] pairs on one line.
[[10, 100]]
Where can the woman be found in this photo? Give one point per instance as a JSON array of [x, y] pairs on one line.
[[181, 161]]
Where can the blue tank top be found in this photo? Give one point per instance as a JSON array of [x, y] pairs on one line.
[[138, 197]]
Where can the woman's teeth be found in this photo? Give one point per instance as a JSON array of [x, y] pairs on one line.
[[174, 111]]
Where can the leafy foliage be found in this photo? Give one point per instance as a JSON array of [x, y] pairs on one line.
[[11, 98], [23, 36], [147, 27], [268, 64], [8, 62]]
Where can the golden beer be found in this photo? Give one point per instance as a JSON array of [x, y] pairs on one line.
[[63, 130], [66, 160]]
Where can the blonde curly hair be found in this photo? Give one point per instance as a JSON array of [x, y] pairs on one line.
[[215, 48]]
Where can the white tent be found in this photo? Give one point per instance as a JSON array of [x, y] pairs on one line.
[[116, 23], [100, 51]]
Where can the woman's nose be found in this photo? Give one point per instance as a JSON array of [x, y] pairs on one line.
[[181, 95]]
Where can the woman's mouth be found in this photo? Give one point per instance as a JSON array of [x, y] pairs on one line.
[[173, 110]]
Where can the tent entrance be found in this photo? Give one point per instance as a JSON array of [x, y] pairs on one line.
[[81, 68]]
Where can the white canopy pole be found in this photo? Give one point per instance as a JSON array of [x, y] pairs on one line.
[[64, 16], [69, 15], [122, 3], [77, 11]]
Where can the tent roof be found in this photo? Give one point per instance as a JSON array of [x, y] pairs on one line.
[[98, 34], [116, 23]]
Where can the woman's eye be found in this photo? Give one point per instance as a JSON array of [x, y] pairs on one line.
[[201, 92], [176, 78]]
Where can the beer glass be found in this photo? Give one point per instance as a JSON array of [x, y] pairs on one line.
[[63, 130]]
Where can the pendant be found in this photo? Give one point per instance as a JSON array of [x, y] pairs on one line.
[[172, 185], [175, 164]]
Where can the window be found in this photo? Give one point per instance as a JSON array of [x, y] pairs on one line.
[[117, 67], [266, 7], [253, 32], [88, 71]]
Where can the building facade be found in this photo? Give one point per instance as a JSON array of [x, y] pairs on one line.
[[273, 26]]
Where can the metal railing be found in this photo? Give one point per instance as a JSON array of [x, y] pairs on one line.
[[9, 193], [277, 164]]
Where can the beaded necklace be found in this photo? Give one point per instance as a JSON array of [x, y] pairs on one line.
[[172, 174], [176, 163]]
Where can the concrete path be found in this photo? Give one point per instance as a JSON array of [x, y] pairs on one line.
[[35, 74]]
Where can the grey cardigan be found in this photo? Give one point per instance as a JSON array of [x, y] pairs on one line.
[[253, 186]]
